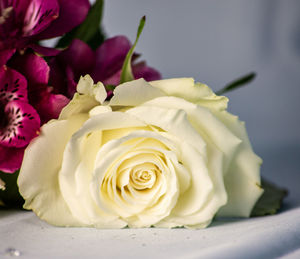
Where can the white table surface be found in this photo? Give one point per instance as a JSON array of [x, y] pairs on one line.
[[275, 236]]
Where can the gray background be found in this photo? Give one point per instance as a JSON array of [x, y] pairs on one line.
[[217, 41]]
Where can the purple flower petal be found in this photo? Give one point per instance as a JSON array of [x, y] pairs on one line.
[[112, 80], [45, 51], [10, 159], [22, 124], [33, 67], [70, 82], [66, 68], [13, 86], [141, 70], [71, 14], [50, 105], [79, 56], [5, 55], [110, 57], [39, 14], [57, 77]]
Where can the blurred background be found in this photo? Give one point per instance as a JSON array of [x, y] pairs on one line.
[[218, 41]]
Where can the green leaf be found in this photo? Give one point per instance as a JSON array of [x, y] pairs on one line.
[[237, 83], [110, 87], [271, 200], [89, 31], [126, 74], [11, 196]]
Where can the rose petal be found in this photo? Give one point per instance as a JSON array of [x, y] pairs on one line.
[[243, 178], [88, 96], [207, 124], [10, 159], [71, 14], [134, 93], [41, 191], [196, 93]]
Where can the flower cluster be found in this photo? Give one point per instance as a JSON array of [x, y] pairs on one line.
[[131, 150], [36, 82]]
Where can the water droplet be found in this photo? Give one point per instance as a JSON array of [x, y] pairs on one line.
[[188, 238], [155, 234], [13, 252], [143, 244], [133, 236]]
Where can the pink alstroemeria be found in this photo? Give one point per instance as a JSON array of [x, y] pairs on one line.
[[19, 121], [103, 65], [24, 22], [36, 71]]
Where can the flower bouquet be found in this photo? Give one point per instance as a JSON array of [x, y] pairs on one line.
[[90, 136]]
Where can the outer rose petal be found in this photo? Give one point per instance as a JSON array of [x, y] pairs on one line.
[[51, 144], [71, 14], [10, 159], [243, 177], [196, 93], [134, 93]]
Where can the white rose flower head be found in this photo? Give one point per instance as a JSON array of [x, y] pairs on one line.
[[163, 153]]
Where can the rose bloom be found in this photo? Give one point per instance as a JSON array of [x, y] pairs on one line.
[[162, 153]]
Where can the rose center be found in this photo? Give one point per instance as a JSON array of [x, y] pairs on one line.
[[144, 176]]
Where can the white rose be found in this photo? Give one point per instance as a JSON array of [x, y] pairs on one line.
[[164, 153]]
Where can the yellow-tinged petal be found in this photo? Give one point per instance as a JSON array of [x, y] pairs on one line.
[[187, 89], [38, 178], [134, 93]]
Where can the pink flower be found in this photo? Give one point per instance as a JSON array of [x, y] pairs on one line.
[[40, 94], [24, 22], [19, 121], [26, 101], [103, 65]]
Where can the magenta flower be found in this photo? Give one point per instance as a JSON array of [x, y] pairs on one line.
[[36, 71], [103, 65], [24, 22], [19, 121]]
